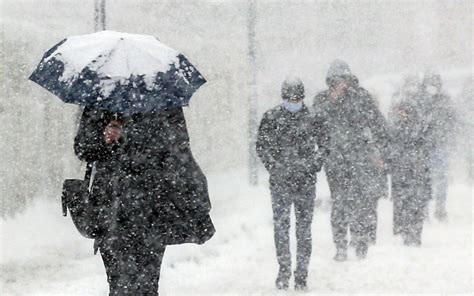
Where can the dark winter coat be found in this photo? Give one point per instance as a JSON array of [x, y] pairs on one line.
[[438, 112], [149, 184], [286, 144], [409, 151], [358, 136]]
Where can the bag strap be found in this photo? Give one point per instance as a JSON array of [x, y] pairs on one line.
[[87, 176]]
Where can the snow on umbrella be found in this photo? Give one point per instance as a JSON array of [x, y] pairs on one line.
[[118, 72]]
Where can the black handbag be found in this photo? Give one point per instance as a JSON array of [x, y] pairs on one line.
[[76, 198]]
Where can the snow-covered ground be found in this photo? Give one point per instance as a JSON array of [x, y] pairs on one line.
[[42, 254]]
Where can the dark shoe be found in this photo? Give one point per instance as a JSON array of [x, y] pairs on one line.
[[300, 280], [411, 241], [361, 250], [282, 279], [441, 215], [300, 285], [341, 255], [372, 240], [396, 229]]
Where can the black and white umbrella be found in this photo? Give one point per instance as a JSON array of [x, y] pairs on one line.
[[118, 72]]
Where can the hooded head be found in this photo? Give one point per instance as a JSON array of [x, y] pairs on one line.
[[339, 70], [432, 83], [411, 85]]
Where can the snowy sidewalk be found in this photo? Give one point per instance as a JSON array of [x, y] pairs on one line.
[[43, 255]]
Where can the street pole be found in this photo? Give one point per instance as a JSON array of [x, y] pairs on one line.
[[252, 98], [99, 15], [99, 25], [103, 15]]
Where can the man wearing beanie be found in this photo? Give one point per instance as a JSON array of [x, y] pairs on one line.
[[286, 144], [356, 128]]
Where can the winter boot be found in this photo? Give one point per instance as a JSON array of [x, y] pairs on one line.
[[282, 279], [361, 250], [300, 280], [396, 230], [300, 285], [412, 239], [341, 254], [441, 215]]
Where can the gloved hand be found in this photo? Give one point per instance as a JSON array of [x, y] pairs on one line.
[[318, 164]]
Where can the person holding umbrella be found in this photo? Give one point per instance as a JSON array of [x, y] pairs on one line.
[[148, 191]]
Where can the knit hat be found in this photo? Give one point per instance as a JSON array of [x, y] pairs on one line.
[[292, 87]]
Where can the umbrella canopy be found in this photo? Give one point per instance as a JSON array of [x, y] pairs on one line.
[[118, 72]]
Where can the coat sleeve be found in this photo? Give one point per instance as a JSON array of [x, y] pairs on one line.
[[89, 143], [265, 145], [322, 140], [379, 128], [393, 124]]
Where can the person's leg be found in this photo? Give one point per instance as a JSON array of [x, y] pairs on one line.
[[381, 191], [372, 221], [439, 175], [340, 208], [419, 204], [360, 223], [416, 190], [414, 219], [139, 263], [405, 217], [396, 195], [112, 266], [441, 192], [281, 205], [304, 209], [340, 223], [418, 218], [149, 260]]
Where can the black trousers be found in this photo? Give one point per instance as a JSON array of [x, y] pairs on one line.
[[372, 227], [353, 209], [303, 201], [132, 265], [411, 191]]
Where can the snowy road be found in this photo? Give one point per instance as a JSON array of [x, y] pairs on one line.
[[43, 255]]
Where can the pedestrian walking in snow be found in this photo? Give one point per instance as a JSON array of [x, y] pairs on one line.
[[465, 125], [438, 112], [148, 192], [356, 128], [411, 185], [286, 144]]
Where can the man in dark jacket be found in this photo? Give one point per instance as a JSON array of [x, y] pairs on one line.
[[356, 128], [438, 111], [286, 144], [411, 185], [148, 192]]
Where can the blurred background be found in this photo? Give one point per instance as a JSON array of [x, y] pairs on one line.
[[244, 49]]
